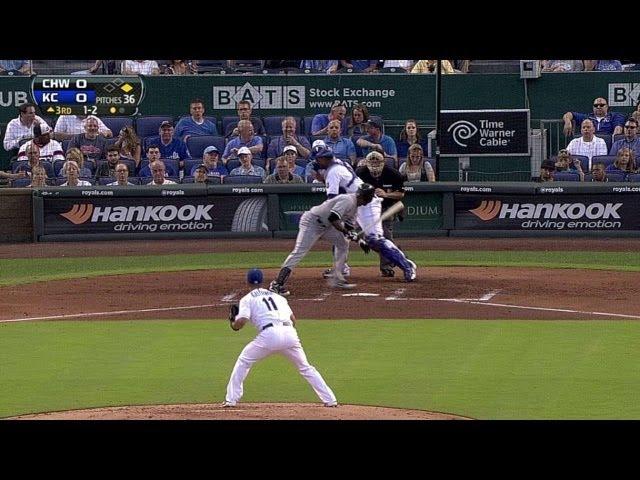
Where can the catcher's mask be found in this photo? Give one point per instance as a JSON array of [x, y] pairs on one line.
[[254, 276], [375, 164]]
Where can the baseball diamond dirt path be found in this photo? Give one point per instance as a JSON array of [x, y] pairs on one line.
[[439, 292]]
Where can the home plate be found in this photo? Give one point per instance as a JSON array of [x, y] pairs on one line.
[[362, 294]]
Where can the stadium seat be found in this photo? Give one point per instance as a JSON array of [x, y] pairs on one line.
[[65, 145], [616, 177], [273, 124], [566, 177], [106, 180], [302, 162], [187, 179], [259, 162], [633, 177], [618, 136], [248, 66], [228, 120], [308, 120], [149, 126], [606, 159], [231, 164], [390, 162], [190, 163], [20, 182], [584, 161], [211, 66], [115, 124], [242, 179], [196, 145], [48, 167]]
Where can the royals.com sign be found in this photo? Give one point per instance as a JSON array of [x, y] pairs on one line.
[[484, 132]]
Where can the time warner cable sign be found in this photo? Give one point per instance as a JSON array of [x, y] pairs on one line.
[[479, 133]]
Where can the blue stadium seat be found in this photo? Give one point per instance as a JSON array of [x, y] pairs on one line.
[[196, 145], [584, 161], [259, 162], [65, 145], [302, 162], [190, 163], [308, 120], [227, 121], [606, 159], [566, 177], [390, 162], [633, 177], [234, 163], [48, 167], [57, 166], [115, 124], [242, 179], [211, 66], [20, 182], [616, 177], [149, 126], [188, 179], [273, 124], [91, 165], [248, 66], [106, 180], [618, 136]]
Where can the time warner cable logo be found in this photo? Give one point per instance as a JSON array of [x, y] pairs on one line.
[[462, 130]]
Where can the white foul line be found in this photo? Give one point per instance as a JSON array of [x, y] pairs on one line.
[[396, 295]]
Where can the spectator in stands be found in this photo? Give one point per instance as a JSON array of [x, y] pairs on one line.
[[416, 168], [429, 66], [213, 163], [624, 163], [129, 145], [108, 168], [50, 150], [321, 120], [564, 163], [196, 124], [16, 67], [547, 171], [91, 143], [598, 173], [283, 174], [290, 154], [246, 167], [636, 113], [106, 67], [69, 125], [603, 120], [159, 172], [357, 122], [153, 155], [549, 66], [343, 148], [289, 137], [326, 66], [169, 146], [602, 65], [71, 171], [76, 155], [246, 139], [364, 66], [122, 176], [180, 67], [630, 139], [13, 176], [588, 144], [376, 141], [20, 129], [200, 174], [38, 177], [409, 135], [33, 155], [142, 67], [405, 65], [244, 113]]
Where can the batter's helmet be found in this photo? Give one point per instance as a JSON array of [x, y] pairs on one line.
[[254, 276], [366, 191]]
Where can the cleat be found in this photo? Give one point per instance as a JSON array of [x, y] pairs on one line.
[[275, 287], [410, 274], [228, 405], [346, 271], [335, 283], [331, 404], [387, 272]]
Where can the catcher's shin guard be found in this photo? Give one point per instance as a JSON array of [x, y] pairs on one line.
[[388, 249]]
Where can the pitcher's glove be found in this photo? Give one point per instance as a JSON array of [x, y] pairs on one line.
[[233, 311], [364, 245]]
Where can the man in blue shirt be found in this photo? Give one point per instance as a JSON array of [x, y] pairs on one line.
[[603, 120], [246, 138], [196, 124], [153, 154], [212, 162], [343, 148], [170, 147], [376, 141], [630, 140], [321, 120]]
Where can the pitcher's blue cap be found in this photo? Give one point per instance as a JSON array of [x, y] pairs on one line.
[[254, 276]]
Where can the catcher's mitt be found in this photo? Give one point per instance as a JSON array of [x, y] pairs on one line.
[[233, 311], [364, 245]]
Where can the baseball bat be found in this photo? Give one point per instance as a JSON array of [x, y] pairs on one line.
[[386, 215]]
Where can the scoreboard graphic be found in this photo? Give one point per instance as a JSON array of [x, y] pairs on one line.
[[79, 95]]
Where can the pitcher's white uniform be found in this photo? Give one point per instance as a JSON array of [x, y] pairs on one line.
[[271, 315]]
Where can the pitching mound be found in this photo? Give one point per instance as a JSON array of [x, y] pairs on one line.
[[243, 411]]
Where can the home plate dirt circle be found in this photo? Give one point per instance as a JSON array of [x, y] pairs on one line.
[[243, 411]]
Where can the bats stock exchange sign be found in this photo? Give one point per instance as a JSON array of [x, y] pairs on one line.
[[476, 133]]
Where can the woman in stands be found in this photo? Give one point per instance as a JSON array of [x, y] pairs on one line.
[[77, 156], [357, 124], [564, 163], [71, 170], [129, 144], [179, 67], [38, 177], [416, 168], [624, 163], [409, 136]]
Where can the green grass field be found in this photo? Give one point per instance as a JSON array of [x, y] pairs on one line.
[[476, 368]]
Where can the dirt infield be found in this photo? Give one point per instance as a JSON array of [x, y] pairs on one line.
[[439, 292]]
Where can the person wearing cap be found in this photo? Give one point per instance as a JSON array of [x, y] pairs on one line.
[[275, 322], [200, 174], [20, 129], [244, 113], [603, 120], [321, 121], [289, 137], [547, 171], [91, 143], [195, 125], [376, 141], [50, 150], [169, 146], [343, 148], [290, 154], [246, 167], [246, 139], [69, 125], [212, 163], [283, 173]]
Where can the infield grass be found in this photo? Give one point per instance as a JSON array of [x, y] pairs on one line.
[[20, 271], [476, 368]]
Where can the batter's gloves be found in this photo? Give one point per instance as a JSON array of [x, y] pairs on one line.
[[364, 245], [352, 235]]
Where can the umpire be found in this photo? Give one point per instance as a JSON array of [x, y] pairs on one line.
[[389, 186]]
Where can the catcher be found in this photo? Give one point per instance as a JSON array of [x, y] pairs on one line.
[[271, 315]]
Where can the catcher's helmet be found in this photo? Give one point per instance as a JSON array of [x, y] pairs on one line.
[[366, 191], [323, 152]]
